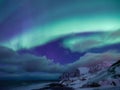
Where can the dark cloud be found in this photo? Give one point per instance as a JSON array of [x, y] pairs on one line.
[[16, 66], [6, 52], [12, 62], [6, 68]]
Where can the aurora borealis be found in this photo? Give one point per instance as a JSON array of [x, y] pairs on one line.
[[50, 21], [61, 31]]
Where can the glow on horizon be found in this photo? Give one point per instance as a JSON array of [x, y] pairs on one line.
[[41, 35]]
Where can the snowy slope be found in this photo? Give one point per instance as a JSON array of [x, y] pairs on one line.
[[103, 79]]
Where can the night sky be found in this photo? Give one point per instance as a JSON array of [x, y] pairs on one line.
[[63, 31]]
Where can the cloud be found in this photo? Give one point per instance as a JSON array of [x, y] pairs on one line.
[[14, 65], [6, 68], [29, 76], [85, 43], [12, 62], [6, 52], [94, 58]]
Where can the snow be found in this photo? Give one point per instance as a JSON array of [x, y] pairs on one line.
[[117, 70], [106, 78], [83, 70], [100, 88]]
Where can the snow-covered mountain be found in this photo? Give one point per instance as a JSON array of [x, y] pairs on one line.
[[84, 78]]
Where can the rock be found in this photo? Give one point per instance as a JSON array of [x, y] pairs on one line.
[[55, 86], [82, 77], [67, 75], [92, 85]]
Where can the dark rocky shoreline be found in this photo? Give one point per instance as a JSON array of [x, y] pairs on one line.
[[55, 86]]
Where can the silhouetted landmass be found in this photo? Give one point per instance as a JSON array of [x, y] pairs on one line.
[[55, 86]]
